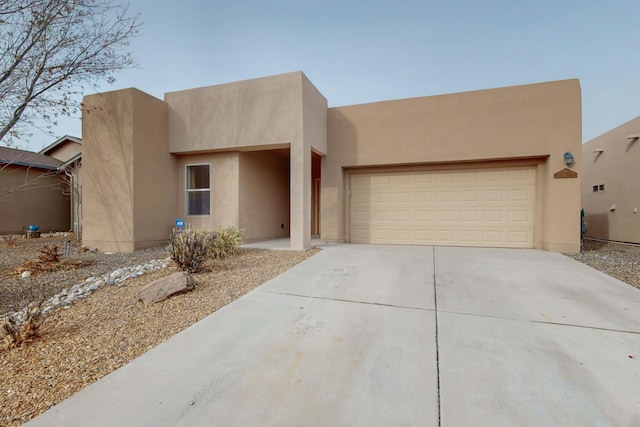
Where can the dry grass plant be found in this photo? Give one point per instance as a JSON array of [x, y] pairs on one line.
[[48, 261], [10, 240], [226, 243], [18, 334]]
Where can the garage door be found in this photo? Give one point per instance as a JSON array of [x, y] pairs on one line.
[[479, 207]]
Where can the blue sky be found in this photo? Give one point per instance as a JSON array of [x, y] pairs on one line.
[[356, 52]]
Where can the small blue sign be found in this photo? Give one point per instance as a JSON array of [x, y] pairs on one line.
[[179, 224]]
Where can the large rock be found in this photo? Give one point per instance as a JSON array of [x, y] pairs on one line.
[[164, 287]]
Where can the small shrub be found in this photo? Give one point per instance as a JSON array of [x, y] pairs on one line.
[[10, 327], [18, 334], [49, 254], [36, 266], [35, 319], [226, 243], [190, 248], [49, 261], [10, 240]]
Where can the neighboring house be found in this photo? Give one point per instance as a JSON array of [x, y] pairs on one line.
[[610, 193], [32, 192], [268, 156], [68, 150]]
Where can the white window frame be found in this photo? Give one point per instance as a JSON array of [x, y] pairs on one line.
[[597, 188], [192, 190]]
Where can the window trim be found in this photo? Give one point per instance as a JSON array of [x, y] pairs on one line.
[[597, 188], [188, 190]]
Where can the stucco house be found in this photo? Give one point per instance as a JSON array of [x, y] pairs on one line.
[[35, 187], [610, 193], [68, 149], [268, 156]]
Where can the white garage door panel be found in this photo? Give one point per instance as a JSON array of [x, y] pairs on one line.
[[491, 207]]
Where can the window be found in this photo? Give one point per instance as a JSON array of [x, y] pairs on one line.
[[198, 190], [599, 187]]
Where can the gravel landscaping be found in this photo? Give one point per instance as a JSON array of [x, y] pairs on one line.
[[84, 341], [618, 260]]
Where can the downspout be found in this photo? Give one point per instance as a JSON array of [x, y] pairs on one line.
[[74, 225]]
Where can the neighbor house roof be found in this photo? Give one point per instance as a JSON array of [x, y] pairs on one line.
[[18, 157], [59, 141], [71, 161]]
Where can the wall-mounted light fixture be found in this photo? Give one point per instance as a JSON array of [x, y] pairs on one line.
[[568, 158], [598, 152]]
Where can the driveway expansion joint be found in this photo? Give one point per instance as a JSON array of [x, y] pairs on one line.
[[349, 301], [435, 306], [542, 322]]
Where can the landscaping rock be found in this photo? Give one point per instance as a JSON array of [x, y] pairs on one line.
[[165, 287]]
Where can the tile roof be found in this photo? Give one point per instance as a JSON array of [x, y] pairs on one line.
[[27, 158]]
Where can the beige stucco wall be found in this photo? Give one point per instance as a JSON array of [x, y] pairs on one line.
[[155, 173], [65, 151], [224, 184], [107, 208], [249, 191], [282, 111], [239, 115], [136, 188], [128, 186], [539, 121], [314, 117], [314, 107], [614, 168], [43, 202], [264, 199]]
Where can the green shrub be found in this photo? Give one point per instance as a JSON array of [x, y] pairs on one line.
[[190, 248], [226, 243]]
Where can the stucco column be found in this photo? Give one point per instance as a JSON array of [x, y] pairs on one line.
[[300, 195], [128, 172]]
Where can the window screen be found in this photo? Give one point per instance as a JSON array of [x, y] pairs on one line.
[[198, 190]]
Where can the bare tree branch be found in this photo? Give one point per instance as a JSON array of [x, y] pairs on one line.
[[50, 49], [23, 170], [33, 181]]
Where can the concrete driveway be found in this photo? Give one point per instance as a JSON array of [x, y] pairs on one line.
[[362, 335]]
